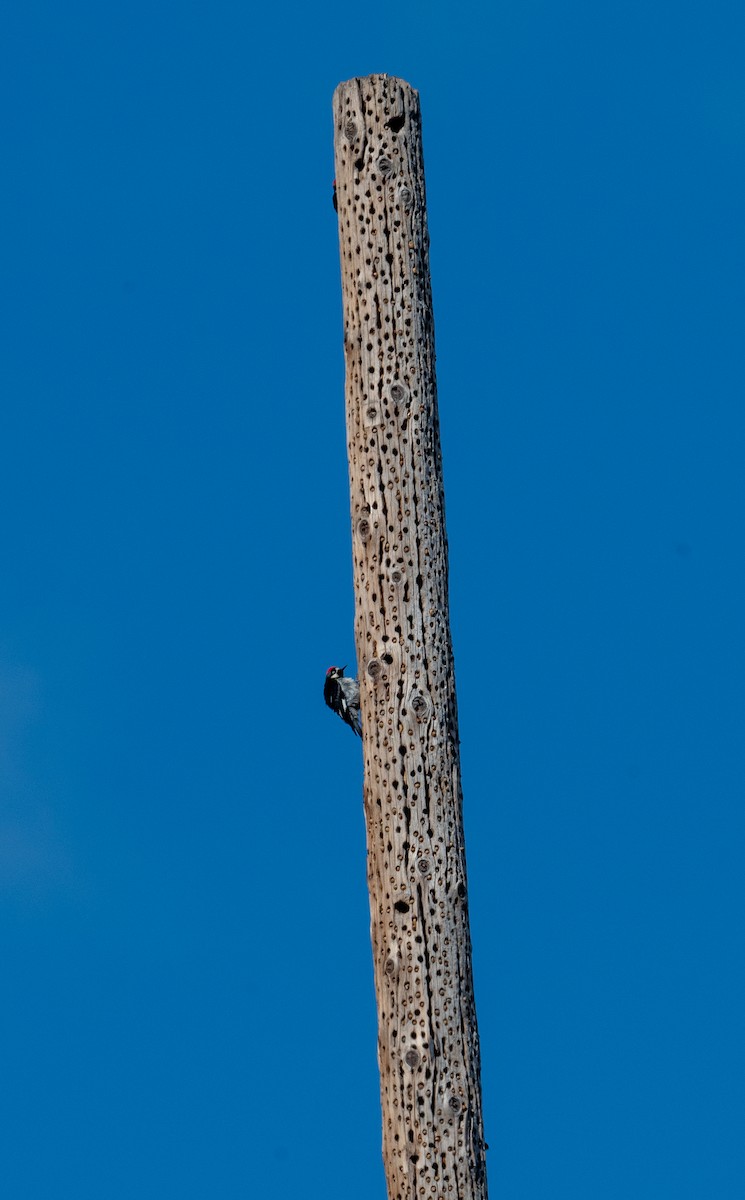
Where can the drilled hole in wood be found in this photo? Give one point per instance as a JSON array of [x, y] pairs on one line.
[[398, 392], [420, 706]]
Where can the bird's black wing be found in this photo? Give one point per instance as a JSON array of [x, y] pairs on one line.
[[331, 692]]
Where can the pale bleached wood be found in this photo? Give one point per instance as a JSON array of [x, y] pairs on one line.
[[428, 1046]]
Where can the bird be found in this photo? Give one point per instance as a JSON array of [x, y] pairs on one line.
[[342, 694]]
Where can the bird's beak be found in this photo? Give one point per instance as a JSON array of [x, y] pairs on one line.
[[342, 669]]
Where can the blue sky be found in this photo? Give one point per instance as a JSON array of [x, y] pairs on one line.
[[186, 1003]]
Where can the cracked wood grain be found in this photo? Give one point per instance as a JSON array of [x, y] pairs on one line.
[[428, 1046]]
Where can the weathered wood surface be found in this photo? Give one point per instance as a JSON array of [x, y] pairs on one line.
[[428, 1043]]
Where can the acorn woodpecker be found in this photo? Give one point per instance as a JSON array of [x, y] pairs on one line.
[[342, 694]]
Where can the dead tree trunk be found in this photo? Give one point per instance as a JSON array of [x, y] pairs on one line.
[[428, 1045]]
